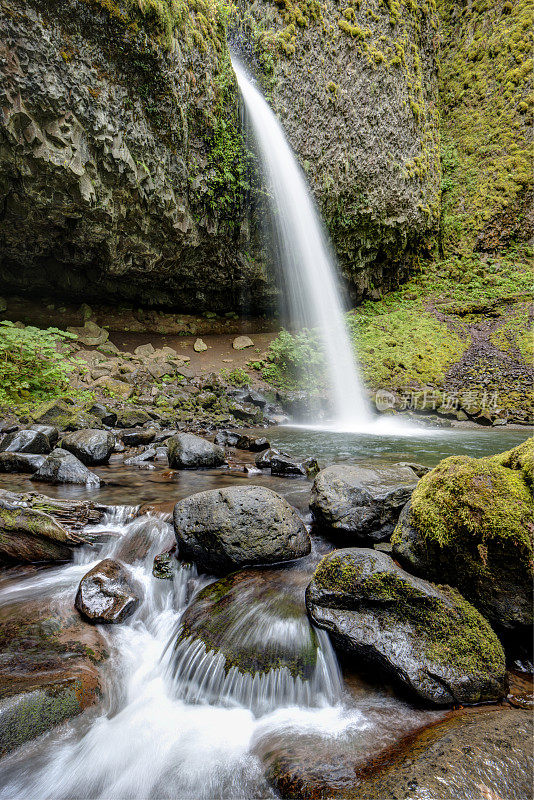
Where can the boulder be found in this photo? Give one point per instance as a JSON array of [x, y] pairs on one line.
[[187, 451], [63, 467], [49, 667], [25, 442], [264, 458], [50, 431], [91, 334], [253, 443], [31, 535], [91, 446], [105, 416], [107, 593], [242, 342], [134, 437], [469, 524], [427, 639], [224, 529], [226, 438], [114, 388], [361, 504], [20, 462], [284, 466], [132, 418]]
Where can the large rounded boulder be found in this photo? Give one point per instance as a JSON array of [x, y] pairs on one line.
[[426, 638], [187, 451], [92, 446], [470, 524], [361, 504], [29, 441], [225, 529]]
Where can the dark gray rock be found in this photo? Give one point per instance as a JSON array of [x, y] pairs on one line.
[[187, 451], [92, 447], [106, 416], [427, 639], [50, 431], [25, 442], [138, 436], [20, 462], [253, 443], [284, 466], [63, 467], [264, 458], [226, 438], [107, 593], [224, 529], [361, 504]]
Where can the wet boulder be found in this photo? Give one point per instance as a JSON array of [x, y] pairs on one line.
[[50, 431], [224, 529], [427, 639], [20, 462], [31, 535], [107, 593], [26, 441], [470, 524], [49, 667], [134, 437], [91, 446], [226, 438], [187, 451], [63, 467], [361, 505], [253, 443], [252, 642], [264, 458], [286, 467]]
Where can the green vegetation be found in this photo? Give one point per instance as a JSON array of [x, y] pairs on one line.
[[295, 361], [486, 107], [236, 377], [31, 365], [477, 499]]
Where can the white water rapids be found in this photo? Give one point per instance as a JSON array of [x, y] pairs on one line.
[[307, 261], [150, 738]]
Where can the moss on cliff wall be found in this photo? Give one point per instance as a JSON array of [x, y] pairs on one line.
[[486, 110]]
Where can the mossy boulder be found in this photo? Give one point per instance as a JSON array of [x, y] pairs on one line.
[[426, 638], [470, 524]]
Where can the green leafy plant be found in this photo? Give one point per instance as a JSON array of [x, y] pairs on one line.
[[31, 366], [237, 376], [295, 361]]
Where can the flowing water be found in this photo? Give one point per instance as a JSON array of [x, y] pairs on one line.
[[173, 722], [308, 264]]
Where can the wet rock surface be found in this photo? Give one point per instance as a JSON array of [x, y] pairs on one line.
[[469, 524], [224, 529], [361, 504], [187, 451], [48, 670], [426, 638], [242, 615], [25, 442], [91, 447], [107, 593], [20, 462], [63, 467]]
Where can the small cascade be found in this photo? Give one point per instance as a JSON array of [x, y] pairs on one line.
[[307, 261], [203, 676]]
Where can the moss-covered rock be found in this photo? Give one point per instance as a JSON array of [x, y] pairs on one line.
[[427, 638], [470, 524]]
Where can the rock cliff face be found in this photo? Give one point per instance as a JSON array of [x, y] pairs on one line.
[[355, 85], [123, 172], [121, 164]]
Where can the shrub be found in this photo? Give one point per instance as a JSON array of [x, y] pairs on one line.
[[30, 364], [295, 361], [237, 376]]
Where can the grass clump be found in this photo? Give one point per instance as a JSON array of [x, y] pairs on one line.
[[31, 365]]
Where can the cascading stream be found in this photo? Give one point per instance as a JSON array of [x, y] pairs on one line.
[[307, 260]]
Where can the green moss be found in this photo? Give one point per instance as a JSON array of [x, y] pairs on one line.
[[484, 88], [520, 458], [474, 498]]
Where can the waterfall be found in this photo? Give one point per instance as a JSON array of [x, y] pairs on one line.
[[307, 260]]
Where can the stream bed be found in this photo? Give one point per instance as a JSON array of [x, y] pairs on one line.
[[165, 726]]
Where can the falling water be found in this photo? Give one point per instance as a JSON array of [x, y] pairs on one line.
[[307, 260]]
